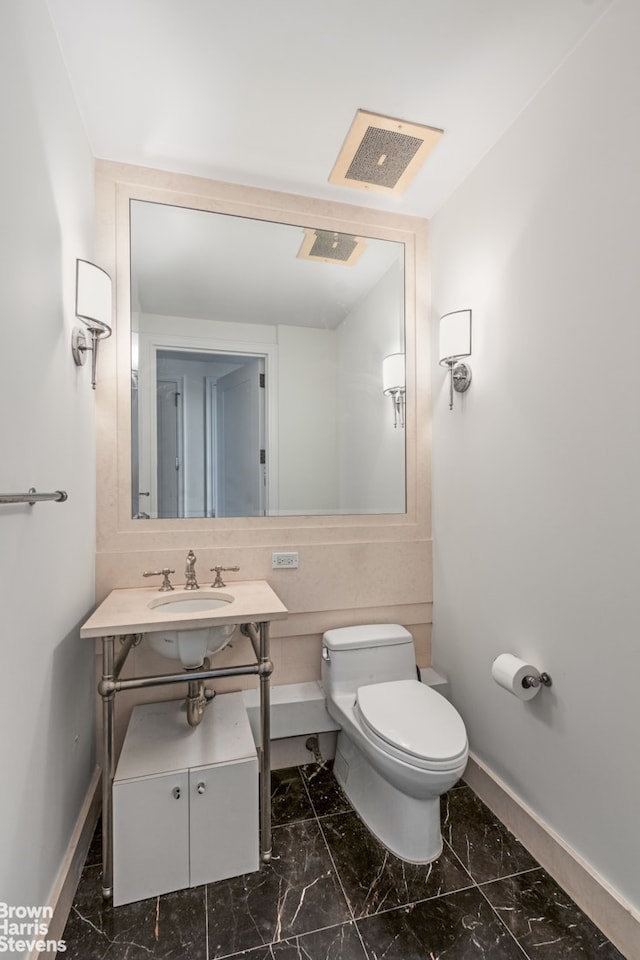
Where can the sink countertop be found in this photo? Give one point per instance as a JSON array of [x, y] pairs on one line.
[[127, 611]]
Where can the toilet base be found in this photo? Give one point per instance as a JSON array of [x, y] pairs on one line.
[[407, 826]]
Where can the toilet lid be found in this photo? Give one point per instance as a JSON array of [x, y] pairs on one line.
[[410, 715]]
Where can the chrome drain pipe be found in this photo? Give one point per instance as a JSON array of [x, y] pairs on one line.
[[198, 696], [312, 744]]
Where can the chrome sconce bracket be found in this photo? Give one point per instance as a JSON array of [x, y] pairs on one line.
[[455, 343], [80, 349], [398, 400], [459, 379], [79, 346]]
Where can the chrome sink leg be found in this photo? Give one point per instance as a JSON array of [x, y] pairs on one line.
[[266, 668], [108, 704]]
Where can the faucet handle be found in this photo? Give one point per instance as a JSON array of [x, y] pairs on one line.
[[218, 582], [164, 573]]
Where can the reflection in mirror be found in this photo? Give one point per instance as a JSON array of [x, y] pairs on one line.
[[257, 353]]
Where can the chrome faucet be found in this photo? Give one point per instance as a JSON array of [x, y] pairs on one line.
[[190, 582]]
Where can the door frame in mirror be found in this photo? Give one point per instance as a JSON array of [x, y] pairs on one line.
[[155, 343], [118, 184]]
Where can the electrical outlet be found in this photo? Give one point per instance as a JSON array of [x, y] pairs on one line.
[[284, 561]]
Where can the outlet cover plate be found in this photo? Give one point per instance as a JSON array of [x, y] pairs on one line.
[[284, 561]]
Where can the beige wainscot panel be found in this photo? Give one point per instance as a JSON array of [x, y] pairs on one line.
[[336, 585]]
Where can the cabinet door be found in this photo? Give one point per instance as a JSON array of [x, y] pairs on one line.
[[150, 836], [224, 821]]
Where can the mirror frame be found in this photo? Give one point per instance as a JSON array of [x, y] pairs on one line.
[[118, 184]]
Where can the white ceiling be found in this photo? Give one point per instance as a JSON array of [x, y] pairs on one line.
[[192, 263], [263, 92]]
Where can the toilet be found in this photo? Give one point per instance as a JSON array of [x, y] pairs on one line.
[[401, 744]]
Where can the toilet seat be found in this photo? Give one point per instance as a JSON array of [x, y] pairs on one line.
[[413, 723]]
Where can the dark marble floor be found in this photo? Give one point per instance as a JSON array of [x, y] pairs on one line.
[[332, 892]]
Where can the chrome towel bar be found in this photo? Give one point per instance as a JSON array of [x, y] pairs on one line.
[[32, 497]]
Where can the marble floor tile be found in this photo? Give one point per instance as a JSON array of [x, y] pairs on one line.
[[289, 798], [298, 891], [258, 953], [326, 796], [334, 943], [484, 845], [374, 879], [331, 887], [171, 927], [458, 926], [88, 898], [239, 913], [545, 920]]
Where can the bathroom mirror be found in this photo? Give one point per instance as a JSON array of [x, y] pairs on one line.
[[256, 367]]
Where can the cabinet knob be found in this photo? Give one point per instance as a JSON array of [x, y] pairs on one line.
[[201, 787], [176, 792]]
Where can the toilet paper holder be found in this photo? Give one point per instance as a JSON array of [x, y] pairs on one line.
[[531, 681]]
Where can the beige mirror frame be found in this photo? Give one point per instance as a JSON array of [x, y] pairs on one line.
[[125, 547]]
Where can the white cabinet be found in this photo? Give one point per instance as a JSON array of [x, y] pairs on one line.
[[185, 800]]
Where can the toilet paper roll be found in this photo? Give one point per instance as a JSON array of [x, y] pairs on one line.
[[509, 672]]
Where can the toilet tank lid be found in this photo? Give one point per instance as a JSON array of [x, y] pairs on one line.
[[367, 635]]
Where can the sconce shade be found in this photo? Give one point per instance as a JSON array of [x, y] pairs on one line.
[[93, 296], [393, 385], [455, 336], [393, 376], [93, 307]]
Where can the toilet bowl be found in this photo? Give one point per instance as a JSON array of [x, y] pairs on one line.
[[401, 744]]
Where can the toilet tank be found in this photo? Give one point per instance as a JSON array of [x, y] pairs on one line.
[[374, 653]]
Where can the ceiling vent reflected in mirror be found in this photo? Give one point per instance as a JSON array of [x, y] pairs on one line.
[[383, 154], [329, 247]]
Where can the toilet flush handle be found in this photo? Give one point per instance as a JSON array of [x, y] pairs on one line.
[[325, 654]]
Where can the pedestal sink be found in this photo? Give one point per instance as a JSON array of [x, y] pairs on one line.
[[129, 612], [191, 644]]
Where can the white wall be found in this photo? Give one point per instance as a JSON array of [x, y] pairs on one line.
[[536, 477], [307, 420], [371, 449], [47, 690]]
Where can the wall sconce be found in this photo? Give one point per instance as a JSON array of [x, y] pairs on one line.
[[93, 307], [455, 343], [393, 385]]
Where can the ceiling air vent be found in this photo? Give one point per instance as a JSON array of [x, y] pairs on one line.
[[383, 154], [329, 247]]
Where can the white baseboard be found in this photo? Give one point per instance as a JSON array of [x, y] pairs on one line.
[[617, 919], [299, 708], [296, 709], [66, 882]]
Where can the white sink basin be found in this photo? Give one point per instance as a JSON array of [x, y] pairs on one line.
[[189, 604], [191, 642]]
